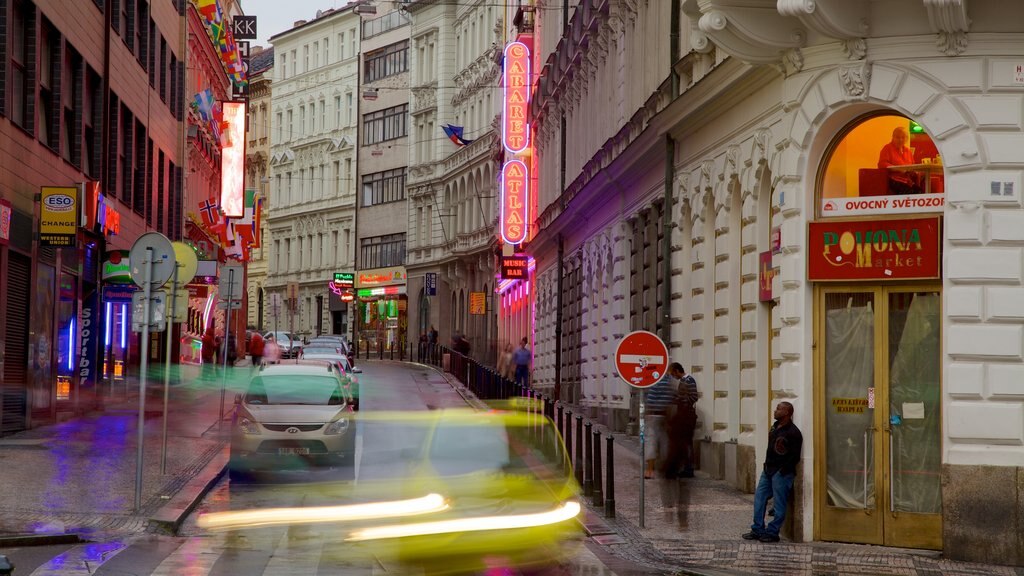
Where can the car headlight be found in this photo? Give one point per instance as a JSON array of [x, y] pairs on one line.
[[248, 426], [337, 427]]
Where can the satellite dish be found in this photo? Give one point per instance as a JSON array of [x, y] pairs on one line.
[[162, 256], [188, 262]]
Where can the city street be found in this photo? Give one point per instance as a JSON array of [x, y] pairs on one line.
[[278, 550]]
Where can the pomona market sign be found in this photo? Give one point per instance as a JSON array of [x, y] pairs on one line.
[[897, 249], [896, 204]]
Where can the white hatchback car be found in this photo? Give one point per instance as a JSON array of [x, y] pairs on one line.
[[292, 416]]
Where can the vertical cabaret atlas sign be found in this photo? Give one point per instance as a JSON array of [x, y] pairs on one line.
[[232, 186], [515, 130], [515, 137]]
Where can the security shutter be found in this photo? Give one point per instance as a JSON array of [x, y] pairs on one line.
[[15, 385]]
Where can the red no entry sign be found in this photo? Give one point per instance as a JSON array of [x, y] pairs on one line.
[[641, 359]]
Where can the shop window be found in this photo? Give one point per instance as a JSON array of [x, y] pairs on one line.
[[882, 164]]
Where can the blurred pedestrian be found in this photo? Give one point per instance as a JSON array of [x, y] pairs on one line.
[[658, 401], [432, 335], [271, 350], [522, 358], [681, 423], [256, 348], [208, 354], [505, 365], [784, 444]]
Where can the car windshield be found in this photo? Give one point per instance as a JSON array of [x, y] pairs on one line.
[[320, 350], [294, 389], [459, 448]]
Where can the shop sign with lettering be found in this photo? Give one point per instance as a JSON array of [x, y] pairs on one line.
[[6, 211], [380, 277], [116, 268], [344, 279], [58, 220], [477, 303], [515, 267], [514, 186], [896, 204], [765, 276], [99, 215], [904, 249], [515, 130]]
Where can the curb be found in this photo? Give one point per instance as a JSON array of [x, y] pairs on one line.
[[171, 516], [21, 540]]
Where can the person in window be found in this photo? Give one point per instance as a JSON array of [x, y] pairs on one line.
[[898, 153]]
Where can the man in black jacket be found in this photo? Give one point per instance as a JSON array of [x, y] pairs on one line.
[[784, 444]]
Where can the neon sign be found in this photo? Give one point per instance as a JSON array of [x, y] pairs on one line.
[[232, 176], [515, 130], [514, 186]]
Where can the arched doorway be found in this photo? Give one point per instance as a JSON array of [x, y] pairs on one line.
[[874, 253]]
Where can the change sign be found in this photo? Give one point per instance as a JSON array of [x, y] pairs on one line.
[[58, 225]]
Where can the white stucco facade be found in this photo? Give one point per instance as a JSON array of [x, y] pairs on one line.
[[764, 91], [310, 231]]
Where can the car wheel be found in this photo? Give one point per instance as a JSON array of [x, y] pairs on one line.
[[239, 475], [348, 450]]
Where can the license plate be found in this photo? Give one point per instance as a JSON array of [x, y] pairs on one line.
[[300, 451]]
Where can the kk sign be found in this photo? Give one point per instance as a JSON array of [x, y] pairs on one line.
[[515, 130], [902, 249], [514, 183]]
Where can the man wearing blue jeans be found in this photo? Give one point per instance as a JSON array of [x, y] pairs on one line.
[[521, 358], [784, 443]]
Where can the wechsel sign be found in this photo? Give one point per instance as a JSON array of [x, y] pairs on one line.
[[58, 225], [514, 185], [901, 249]]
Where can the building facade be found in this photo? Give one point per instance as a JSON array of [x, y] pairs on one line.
[[381, 228], [732, 194], [310, 228], [452, 206], [257, 174], [91, 103]]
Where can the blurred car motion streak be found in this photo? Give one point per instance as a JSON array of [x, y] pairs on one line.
[[447, 491]]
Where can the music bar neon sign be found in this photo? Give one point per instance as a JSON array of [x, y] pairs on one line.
[[514, 185], [515, 130]]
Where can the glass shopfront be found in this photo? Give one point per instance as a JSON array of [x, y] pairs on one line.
[[878, 323]]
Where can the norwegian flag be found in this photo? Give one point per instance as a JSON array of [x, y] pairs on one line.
[[210, 213]]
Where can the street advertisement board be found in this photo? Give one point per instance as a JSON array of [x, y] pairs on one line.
[[477, 303], [58, 221], [515, 267], [430, 284], [232, 180], [897, 249], [6, 211]]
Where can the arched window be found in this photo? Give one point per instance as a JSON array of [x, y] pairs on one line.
[[881, 164]]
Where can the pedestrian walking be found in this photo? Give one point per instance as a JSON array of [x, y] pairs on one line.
[[776, 482], [521, 358], [208, 354], [505, 365], [271, 350], [659, 400], [256, 348], [682, 422]]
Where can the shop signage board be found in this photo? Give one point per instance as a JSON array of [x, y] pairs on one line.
[[875, 205], [118, 294], [477, 303], [89, 337], [894, 249], [232, 173], [430, 284], [515, 267], [776, 240], [381, 277], [345, 279], [641, 359], [97, 214], [765, 275], [244, 27], [6, 211], [58, 222], [515, 130], [116, 268], [515, 182]]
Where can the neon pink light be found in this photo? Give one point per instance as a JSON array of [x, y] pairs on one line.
[[515, 130]]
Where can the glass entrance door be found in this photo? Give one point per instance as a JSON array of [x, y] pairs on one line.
[[878, 390]]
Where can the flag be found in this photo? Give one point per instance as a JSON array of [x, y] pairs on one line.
[[210, 213], [454, 133], [205, 104], [245, 226]]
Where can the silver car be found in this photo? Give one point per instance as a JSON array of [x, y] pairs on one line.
[[349, 372], [292, 416]]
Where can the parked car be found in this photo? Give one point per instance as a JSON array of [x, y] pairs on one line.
[[290, 344], [291, 416]]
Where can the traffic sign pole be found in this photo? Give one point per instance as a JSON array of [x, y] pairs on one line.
[[144, 366], [641, 359], [167, 366], [227, 342]]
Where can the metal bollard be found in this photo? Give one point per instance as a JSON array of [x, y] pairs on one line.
[[579, 450], [609, 496], [588, 460], [392, 352], [558, 419], [380, 350], [567, 435], [596, 494]]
